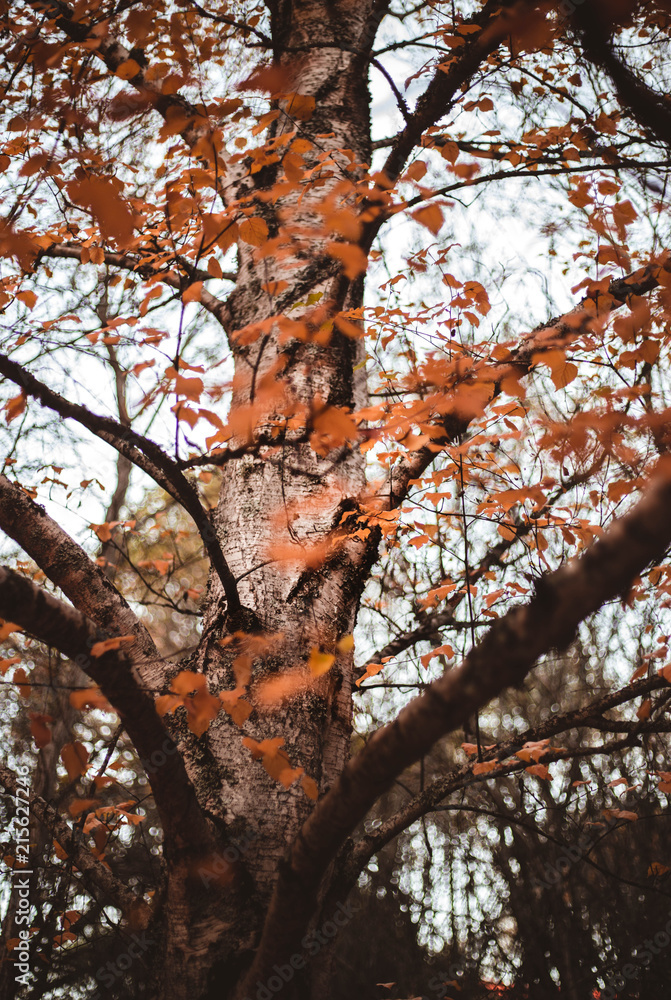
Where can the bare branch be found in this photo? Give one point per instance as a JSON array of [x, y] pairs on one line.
[[144, 453], [68, 630], [95, 874], [589, 717], [68, 566], [649, 109], [501, 659], [136, 264], [432, 622]]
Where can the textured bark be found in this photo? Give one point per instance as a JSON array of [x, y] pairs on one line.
[[278, 492], [287, 494], [70, 569]]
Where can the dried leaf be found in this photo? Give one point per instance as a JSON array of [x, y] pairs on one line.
[[430, 216], [40, 730], [100, 648], [253, 231], [75, 758]]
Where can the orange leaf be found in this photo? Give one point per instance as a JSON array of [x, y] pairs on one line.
[[40, 730], [14, 407], [665, 781], [450, 151], [540, 771], [371, 670], [237, 707], [104, 531], [485, 766], [274, 759], [319, 662], [300, 106], [445, 650], [192, 388], [162, 566], [310, 787], [201, 706], [75, 758], [167, 703], [430, 216], [644, 711], [631, 817], [90, 698], [281, 688], [6, 629], [533, 750], [253, 231], [28, 298], [345, 222], [20, 678], [78, 806], [274, 287], [59, 852], [192, 293], [6, 664], [100, 648], [101, 195], [346, 643], [128, 69], [188, 682], [214, 268], [336, 425], [354, 260]]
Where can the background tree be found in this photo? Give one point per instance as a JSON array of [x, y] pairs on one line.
[[195, 196]]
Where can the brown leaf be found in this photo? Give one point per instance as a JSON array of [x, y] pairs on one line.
[[75, 758], [102, 197], [253, 231], [40, 730], [14, 407], [430, 216], [100, 648]]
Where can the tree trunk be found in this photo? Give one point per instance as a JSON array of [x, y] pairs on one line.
[[279, 498]]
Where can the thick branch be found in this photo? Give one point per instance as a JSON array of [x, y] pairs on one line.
[[69, 568], [142, 452], [589, 717], [131, 262], [503, 658], [445, 87], [69, 631], [649, 109]]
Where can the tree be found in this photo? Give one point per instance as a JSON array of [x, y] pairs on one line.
[[213, 172]]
